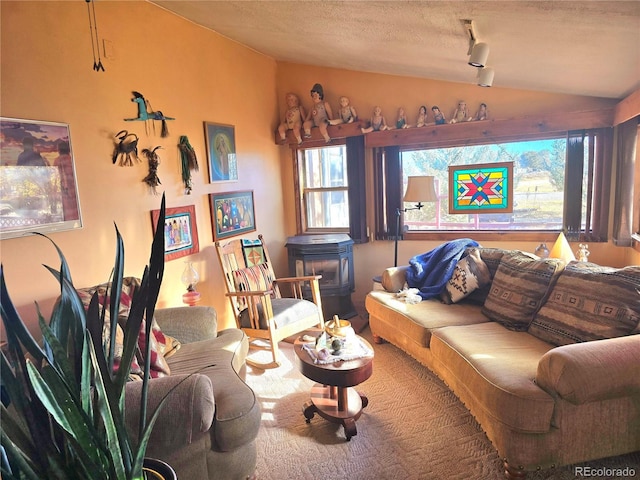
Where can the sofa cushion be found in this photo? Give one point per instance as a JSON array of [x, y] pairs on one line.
[[519, 287], [590, 302], [491, 258], [418, 321], [469, 274], [493, 369]]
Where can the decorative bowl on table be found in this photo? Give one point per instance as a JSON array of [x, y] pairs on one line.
[[339, 328]]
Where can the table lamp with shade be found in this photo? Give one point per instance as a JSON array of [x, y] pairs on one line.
[[419, 189]]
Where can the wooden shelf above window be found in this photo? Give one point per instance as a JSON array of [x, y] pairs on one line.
[[486, 131]]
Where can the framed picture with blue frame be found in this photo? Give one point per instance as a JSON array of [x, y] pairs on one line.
[[221, 152], [481, 188], [232, 213], [180, 231]]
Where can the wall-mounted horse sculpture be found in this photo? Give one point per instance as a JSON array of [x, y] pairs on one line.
[[146, 114]]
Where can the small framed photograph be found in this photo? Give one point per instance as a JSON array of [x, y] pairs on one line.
[[482, 188], [180, 231], [38, 187], [232, 213], [221, 152]]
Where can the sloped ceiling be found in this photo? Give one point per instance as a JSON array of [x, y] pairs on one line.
[[587, 48]]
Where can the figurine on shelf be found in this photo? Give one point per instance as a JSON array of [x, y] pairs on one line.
[[583, 252], [422, 117], [402, 119], [461, 113], [378, 122], [346, 114], [481, 114], [438, 116], [292, 119], [320, 114]]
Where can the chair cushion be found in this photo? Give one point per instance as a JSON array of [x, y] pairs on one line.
[[590, 302], [519, 288], [251, 279], [469, 274], [285, 312]]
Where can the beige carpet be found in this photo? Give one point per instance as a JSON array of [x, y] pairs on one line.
[[413, 428]]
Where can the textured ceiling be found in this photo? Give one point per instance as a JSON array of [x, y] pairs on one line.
[[586, 48]]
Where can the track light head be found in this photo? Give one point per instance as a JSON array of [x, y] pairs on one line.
[[479, 55]]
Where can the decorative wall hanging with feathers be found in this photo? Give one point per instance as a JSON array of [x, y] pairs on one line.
[[154, 162], [146, 114], [125, 152], [189, 162]]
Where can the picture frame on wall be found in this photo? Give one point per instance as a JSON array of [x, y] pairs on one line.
[[481, 188], [180, 231], [232, 214], [38, 184], [221, 152]]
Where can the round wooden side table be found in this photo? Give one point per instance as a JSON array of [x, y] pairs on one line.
[[333, 397]]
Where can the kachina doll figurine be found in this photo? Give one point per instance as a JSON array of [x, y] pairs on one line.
[[422, 116], [402, 119], [461, 113], [378, 122], [481, 114], [292, 118], [438, 116], [320, 114], [346, 114]]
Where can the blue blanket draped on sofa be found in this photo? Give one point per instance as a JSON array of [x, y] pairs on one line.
[[430, 272]]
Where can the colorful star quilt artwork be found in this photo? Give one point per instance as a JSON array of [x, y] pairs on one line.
[[486, 188]]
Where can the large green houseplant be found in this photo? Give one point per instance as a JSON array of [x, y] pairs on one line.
[[66, 415]]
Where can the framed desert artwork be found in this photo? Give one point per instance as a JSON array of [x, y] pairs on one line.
[[38, 186]]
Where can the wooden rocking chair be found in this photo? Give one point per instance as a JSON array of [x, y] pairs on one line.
[[258, 299]]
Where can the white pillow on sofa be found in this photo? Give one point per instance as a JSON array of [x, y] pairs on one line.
[[469, 274]]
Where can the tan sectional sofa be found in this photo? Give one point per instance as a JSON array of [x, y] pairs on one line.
[[546, 356]]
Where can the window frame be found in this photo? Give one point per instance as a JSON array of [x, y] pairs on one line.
[[480, 235]]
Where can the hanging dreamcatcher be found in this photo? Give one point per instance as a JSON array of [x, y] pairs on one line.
[[95, 42], [189, 162], [154, 162]]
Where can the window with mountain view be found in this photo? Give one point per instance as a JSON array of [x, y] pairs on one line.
[[539, 183]]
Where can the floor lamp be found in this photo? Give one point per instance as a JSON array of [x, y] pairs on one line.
[[419, 189]]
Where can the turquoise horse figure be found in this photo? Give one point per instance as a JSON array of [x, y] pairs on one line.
[[146, 113]]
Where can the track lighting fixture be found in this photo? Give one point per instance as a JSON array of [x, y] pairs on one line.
[[485, 76], [479, 55]]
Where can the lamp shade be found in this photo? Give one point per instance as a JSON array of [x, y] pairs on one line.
[[479, 55], [562, 249], [485, 77], [421, 189]]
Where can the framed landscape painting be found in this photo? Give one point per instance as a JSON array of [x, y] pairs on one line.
[[485, 188], [38, 187], [232, 213], [221, 152], [180, 231]]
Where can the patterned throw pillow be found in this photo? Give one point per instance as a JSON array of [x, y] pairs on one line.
[[491, 258], [251, 279], [159, 342], [590, 302], [519, 288], [469, 274]]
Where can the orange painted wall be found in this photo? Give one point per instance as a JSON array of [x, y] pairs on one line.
[[186, 71]]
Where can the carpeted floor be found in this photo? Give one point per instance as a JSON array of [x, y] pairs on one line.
[[413, 428]]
